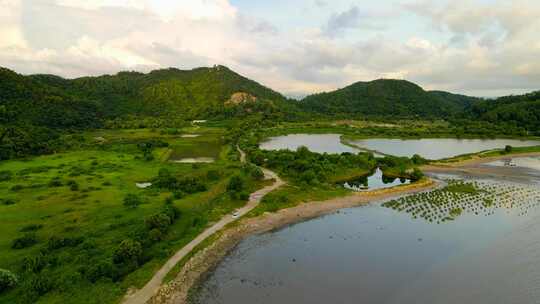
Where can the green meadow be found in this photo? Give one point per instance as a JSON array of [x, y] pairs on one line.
[[77, 229]]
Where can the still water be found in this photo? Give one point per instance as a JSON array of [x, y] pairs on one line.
[[374, 254], [376, 180], [438, 148], [430, 148], [320, 143]]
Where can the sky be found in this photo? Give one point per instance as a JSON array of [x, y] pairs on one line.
[[297, 47]]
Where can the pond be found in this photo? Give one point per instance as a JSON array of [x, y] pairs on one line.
[[376, 180], [438, 148], [415, 250], [320, 143]]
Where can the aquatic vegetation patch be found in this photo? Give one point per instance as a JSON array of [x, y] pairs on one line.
[[478, 197]]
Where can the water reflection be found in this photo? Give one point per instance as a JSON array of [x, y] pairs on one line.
[[438, 148], [320, 143], [376, 180]]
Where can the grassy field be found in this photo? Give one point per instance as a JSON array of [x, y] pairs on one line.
[[63, 216]]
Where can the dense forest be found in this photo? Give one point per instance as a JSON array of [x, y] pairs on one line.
[[40, 113], [400, 98]]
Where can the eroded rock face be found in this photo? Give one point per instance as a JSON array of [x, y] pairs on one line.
[[239, 98]]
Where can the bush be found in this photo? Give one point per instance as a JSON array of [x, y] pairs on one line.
[[5, 175], [129, 251], [178, 194], [31, 227], [73, 185], [244, 196], [99, 270], [34, 263], [132, 201], [27, 240], [417, 174], [508, 149], [236, 184], [7, 201], [40, 285], [8, 280], [155, 235], [171, 211], [159, 221], [213, 175], [56, 242], [16, 188], [257, 173], [55, 182]]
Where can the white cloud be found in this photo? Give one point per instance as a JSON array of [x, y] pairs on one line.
[[484, 47]]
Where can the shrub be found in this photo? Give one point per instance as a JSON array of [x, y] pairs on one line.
[[257, 173], [40, 285], [132, 200], [8, 280], [508, 149], [236, 184], [171, 211], [7, 201], [99, 270], [56, 242], [16, 188], [178, 194], [31, 227], [27, 240], [417, 174], [213, 175], [129, 251], [5, 175], [155, 235], [73, 185], [34, 263], [169, 200], [244, 196], [55, 182], [159, 221]]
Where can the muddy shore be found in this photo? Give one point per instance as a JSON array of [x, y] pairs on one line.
[[202, 263]]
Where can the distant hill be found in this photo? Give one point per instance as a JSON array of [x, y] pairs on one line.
[[387, 97]]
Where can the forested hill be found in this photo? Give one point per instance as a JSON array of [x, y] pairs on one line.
[[35, 109], [403, 99], [387, 97], [197, 93]]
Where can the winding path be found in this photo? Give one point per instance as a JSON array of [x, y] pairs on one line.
[[144, 294]]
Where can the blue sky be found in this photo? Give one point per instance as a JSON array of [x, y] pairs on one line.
[[476, 47]]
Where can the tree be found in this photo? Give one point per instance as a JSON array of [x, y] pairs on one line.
[[417, 174], [129, 251]]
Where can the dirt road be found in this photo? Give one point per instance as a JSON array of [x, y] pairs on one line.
[[144, 294]]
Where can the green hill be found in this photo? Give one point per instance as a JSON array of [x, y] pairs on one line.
[[386, 97], [35, 109], [197, 93]]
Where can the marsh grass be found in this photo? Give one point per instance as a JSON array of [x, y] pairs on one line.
[[477, 197]]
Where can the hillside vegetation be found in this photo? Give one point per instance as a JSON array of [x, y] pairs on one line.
[[38, 112]]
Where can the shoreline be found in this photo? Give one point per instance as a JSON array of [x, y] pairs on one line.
[[200, 265], [472, 163]]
